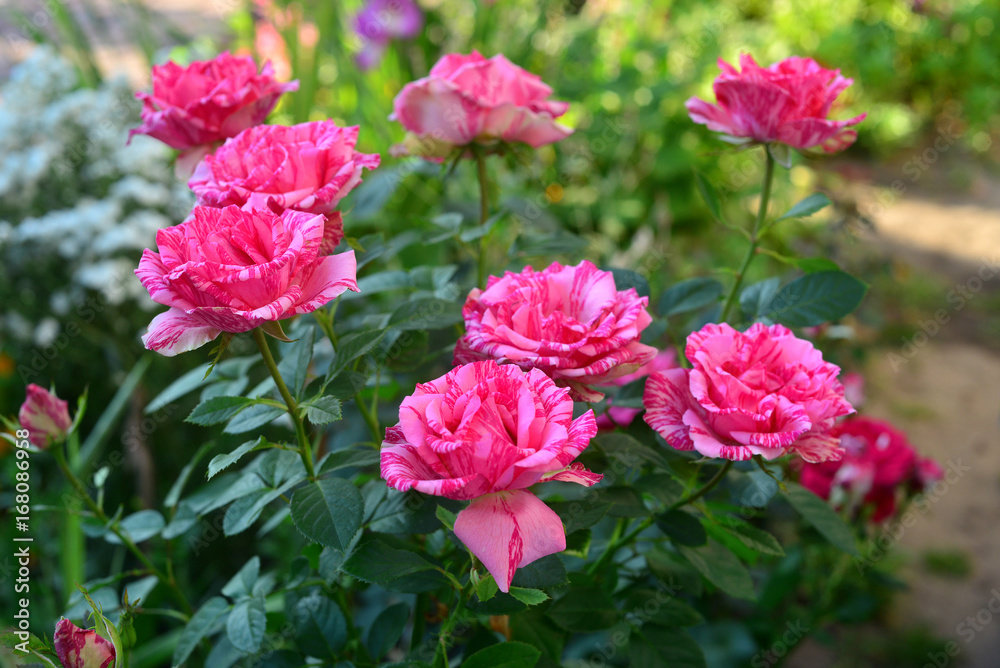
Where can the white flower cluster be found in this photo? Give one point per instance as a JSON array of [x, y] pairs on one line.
[[73, 194]]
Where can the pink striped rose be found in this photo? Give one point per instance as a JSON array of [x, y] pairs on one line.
[[45, 416], [231, 270], [570, 322], [787, 103], [486, 432], [760, 392], [80, 648], [308, 167]]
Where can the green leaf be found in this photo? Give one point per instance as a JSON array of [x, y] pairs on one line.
[[659, 606], [755, 298], [542, 573], [328, 511], [446, 516], [624, 501], [781, 153], [625, 279], [721, 568], [139, 526], [584, 609], [202, 623], [816, 511], [246, 625], [577, 515], [807, 206], [320, 627], [811, 265], [752, 537], [376, 562], [629, 451], [708, 193], [535, 628], [244, 512], [429, 313], [690, 295], [663, 486], [242, 583], [323, 410], [509, 654], [253, 418], [387, 629], [655, 646], [486, 586], [221, 462], [682, 528], [217, 409], [674, 571], [816, 298], [353, 346], [174, 495], [529, 596], [348, 458]]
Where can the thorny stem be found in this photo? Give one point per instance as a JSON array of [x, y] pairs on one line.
[[765, 196], [305, 448]]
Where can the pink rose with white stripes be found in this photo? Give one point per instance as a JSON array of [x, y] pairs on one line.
[[231, 270], [760, 392], [570, 322], [45, 416], [308, 167], [787, 103], [486, 432], [81, 648]]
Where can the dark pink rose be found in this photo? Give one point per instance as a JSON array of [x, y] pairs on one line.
[[570, 322], [208, 101], [231, 270], [381, 21], [879, 466], [760, 392], [486, 432], [77, 648], [787, 103], [45, 416], [308, 167], [467, 99]]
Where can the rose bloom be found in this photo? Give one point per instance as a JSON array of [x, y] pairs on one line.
[[763, 392], [231, 270], [78, 648], [570, 322], [471, 99], [307, 167], [879, 465], [381, 21], [787, 103], [208, 101], [618, 416], [486, 432], [45, 416]]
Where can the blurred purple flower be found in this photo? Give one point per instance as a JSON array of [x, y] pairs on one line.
[[381, 21]]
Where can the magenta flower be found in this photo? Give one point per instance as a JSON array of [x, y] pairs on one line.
[[45, 416], [762, 392], [231, 270], [208, 101], [472, 99], [486, 432], [570, 322], [381, 21], [879, 465], [77, 648], [787, 103], [308, 167]]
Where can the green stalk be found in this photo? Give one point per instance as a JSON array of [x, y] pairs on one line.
[[72, 553], [765, 197], [484, 214], [82, 494], [305, 448]]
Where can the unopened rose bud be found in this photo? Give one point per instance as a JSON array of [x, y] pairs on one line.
[[79, 648], [45, 416]]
